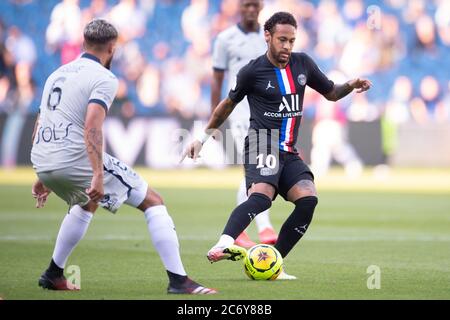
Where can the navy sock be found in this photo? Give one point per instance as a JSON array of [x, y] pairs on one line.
[[54, 270], [175, 279], [243, 214], [296, 225]]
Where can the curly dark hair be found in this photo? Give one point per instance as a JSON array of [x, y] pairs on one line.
[[279, 18]]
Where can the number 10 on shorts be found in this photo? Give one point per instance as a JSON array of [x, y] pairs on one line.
[[269, 161]]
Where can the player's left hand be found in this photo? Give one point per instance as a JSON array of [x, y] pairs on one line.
[[40, 193], [193, 150], [96, 191], [361, 84]]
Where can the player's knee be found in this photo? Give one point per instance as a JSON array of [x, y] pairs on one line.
[[310, 201], [302, 189], [308, 189], [262, 188], [91, 207], [309, 193], [155, 198], [151, 199], [261, 201]]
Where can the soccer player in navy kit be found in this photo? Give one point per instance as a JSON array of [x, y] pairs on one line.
[[233, 49], [274, 84]]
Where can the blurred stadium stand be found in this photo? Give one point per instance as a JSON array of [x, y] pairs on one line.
[[164, 67]]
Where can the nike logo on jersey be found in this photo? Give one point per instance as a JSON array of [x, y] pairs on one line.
[[270, 86]]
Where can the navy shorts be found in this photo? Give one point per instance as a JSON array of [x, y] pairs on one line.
[[282, 171]]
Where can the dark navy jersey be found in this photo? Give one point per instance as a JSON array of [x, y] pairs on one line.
[[276, 95]]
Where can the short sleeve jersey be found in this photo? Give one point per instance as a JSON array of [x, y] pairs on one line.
[[233, 49], [59, 140], [276, 95]]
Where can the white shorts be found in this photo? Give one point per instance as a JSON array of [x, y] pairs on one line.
[[121, 184]]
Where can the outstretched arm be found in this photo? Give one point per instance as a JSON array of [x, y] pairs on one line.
[[220, 114], [341, 90]]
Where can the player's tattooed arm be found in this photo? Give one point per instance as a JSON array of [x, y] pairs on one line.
[[341, 90], [221, 113], [94, 147], [93, 139], [93, 136]]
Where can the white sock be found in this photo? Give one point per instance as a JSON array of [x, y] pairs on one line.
[[262, 220], [242, 193], [72, 230], [224, 241], [164, 237]]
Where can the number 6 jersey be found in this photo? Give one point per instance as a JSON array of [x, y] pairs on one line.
[[59, 139]]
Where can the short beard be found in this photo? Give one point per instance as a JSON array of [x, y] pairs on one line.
[[277, 56], [282, 61], [108, 63]]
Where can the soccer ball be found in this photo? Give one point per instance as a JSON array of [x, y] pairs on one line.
[[263, 262]]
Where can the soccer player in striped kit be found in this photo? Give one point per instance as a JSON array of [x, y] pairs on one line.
[[274, 84]]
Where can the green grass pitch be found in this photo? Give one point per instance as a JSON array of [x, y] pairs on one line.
[[406, 233]]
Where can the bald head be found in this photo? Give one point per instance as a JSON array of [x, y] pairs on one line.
[[250, 11]]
